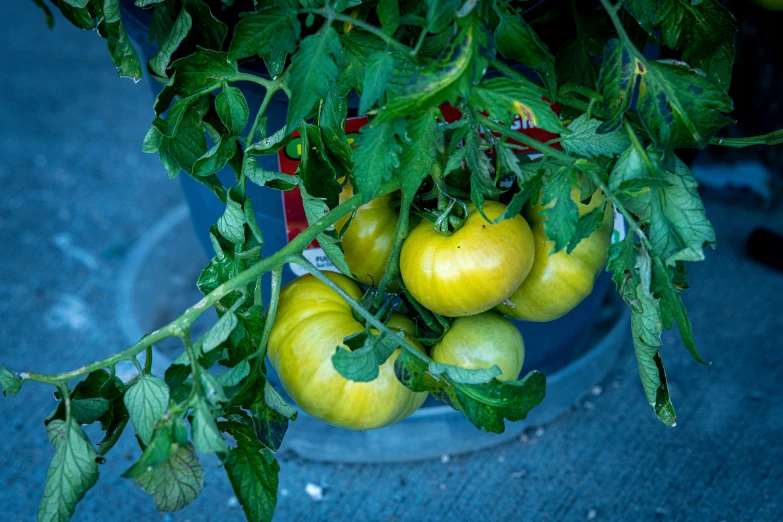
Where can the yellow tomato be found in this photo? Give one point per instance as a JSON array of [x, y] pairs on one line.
[[560, 281], [481, 342], [312, 321], [469, 272], [369, 239]]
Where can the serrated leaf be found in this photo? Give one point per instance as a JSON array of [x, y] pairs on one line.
[[215, 158], [486, 405], [463, 375], [419, 151], [587, 224], [378, 72], [268, 178], [331, 121], [147, 401], [176, 482], [73, 471], [81, 18], [585, 141], [270, 32], [517, 41], [312, 70], [678, 226], [11, 382], [160, 61], [206, 436], [502, 97], [365, 353], [181, 151], [121, 50], [218, 334], [377, 154], [196, 74], [232, 108], [316, 208], [231, 224], [440, 14], [637, 186], [563, 215], [317, 172], [678, 106], [235, 375]]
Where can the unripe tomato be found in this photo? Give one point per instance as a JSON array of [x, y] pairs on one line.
[[482, 341], [474, 269], [311, 322], [560, 281], [369, 239]]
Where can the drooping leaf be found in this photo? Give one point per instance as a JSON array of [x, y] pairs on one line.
[[270, 32], [420, 151], [365, 353], [11, 382], [378, 72], [160, 61], [563, 215], [517, 41], [176, 482], [502, 97], [218, 334], [231, 224], [377, 154], [232, 108], [585, 141], [268, 178], [316, 208], [147, 401], [206, 436]]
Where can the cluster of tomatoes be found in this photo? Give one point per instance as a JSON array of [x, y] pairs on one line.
[[476, 275]]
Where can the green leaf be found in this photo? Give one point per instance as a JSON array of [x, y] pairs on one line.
[[389, 15], [181, 151], [231, 224], [206, 436], [377, 154], [378, 72], [586, 225], [11, 382], [638, 186], [215, 158], [419, 150], [160, 61], [81, 18], [677, 223], [253, 473], [517, 41], [646, 328], [318, 174], [502, 97], [316, 208], [703, 31], [270, 32], [232, 108], [485, 404], [147, 401], [678, 106], [622, 259], [175, 482], [121, 50], [312, 70], [235, 375], [196, 74], [115, 427], [72, 472], [562, 217], [268, 178], [585, 141], [365, 353], [462, 375], [252, 223], [578, 60], [79, 4], [218, 334], [440, 14], [208, 32]]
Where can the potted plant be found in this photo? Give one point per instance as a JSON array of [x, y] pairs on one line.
[[467, 224]]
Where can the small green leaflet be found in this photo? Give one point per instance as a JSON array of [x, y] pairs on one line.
[[268, 178], [72, 472], [270, 32], [218, 334], [312, 70], [517, 41], [234, 376], [389, 15], [159, 63], [678, 225], [176, 482], [419, 150], [196, 74], [253, 473], [377, 154], [365, 353], [121, 49], [232, 108], [463, 376], [315, 209], [208, 32], [10, 382], [502, 97], [331, 120], [204, 432], [587, 224], [378, 72], [318, 173], [585, 141], [679, 106], [231, 224], [147, 401], [252, 223], [215, 158], [562, 217], [487, 404]]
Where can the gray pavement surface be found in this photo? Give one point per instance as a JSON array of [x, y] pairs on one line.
[[77, 193]]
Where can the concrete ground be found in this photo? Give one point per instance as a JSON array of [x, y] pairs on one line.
[[77, 193]]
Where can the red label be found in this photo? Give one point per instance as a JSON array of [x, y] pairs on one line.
[[288, 159]]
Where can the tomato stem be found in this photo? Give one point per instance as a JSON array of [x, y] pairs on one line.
[[400, 233]]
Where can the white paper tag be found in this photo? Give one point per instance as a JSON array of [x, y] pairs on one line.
[[318, 258]]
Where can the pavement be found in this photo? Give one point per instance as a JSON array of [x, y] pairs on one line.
[[78, 193]]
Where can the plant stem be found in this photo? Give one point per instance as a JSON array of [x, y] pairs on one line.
[[400, 233], [370, 318], [773, 138], [640, 148], [261, 110], [415, 52], [271, 311], [266, 84]]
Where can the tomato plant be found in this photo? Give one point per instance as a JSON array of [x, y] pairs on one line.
[[496, 69]]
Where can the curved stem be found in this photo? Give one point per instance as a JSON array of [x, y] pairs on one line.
[[266, 84], [400, 233], [773, 138], [271, 311], [362, 311]]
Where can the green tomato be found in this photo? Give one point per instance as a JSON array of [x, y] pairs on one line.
[[560, 281], [369, 238], [311, 322], [474, 269], [481, 342]]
